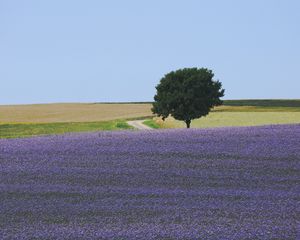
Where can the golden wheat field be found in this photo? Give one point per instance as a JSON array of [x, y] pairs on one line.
[[72, 112]]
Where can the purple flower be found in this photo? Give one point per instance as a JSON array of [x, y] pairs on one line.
[[225, 183]]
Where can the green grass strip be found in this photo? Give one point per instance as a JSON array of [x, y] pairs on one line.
[[151, 123], [264, 102], [17, 130]]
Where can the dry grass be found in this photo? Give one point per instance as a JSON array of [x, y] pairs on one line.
[[95, 112], [71, 112]]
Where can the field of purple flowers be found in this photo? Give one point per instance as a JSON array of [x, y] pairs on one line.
[[226, 183]]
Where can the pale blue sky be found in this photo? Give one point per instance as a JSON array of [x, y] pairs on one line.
[[115, 50]]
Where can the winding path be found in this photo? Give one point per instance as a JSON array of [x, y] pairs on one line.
[[138, 124]]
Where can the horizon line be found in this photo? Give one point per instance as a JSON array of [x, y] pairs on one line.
[[146, 102]]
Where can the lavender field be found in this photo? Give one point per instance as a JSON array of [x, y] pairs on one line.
[[226, 183]]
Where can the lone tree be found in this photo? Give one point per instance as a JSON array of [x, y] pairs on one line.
[[187, 94]]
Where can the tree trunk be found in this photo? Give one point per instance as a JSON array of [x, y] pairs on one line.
[[188, 123]]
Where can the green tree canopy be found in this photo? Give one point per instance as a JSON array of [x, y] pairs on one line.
[[187, 94]]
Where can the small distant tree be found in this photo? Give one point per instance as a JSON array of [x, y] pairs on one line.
[[187, 94]]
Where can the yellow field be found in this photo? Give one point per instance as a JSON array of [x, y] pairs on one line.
[[225, 119], [71, 112]]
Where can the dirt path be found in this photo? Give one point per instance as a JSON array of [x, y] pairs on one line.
[[138, 124]]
